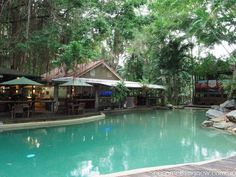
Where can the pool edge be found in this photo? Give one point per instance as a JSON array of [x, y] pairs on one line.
[[51, 123], [153, 169]]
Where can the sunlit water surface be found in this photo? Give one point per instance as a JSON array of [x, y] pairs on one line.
[[118, 143]]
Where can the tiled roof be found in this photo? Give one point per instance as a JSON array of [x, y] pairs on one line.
[[81, 70]]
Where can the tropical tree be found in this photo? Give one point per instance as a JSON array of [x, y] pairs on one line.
[[134, 68], [120, 93], [174, 59], [231, 86], [140, 32], [211, 68], [124, 20], [76, 52]]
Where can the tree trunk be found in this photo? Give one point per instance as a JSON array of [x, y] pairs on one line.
[[117, 48], [14, 14], [28, 20], [233, 81]]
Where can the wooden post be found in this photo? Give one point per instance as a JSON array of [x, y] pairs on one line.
[[55, 97], [162, 98], [32, 98], [147, 98], [96, 88]]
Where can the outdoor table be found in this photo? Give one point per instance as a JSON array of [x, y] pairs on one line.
[[52, 102], [71, 108], [90, 102], [20, 108], [30, 102], [11, 103]]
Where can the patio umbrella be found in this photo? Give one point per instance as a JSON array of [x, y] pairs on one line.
[[21, 81], [76, 82]]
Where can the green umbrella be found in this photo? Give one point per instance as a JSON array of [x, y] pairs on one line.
[[21, 81], [76, 83]]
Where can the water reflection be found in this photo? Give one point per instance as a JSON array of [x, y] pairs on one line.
[[33, 142], [85, 168], [106, 162], [61, 129], [120, 142]]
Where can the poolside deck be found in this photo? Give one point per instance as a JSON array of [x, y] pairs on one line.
[[221, 168]]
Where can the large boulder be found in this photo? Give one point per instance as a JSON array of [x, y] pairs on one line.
[[229, 104], [231, 116], [170, 106], [218, 108], [232, 129], [219, 119], [207, 123], [221, 125], [212, 113]]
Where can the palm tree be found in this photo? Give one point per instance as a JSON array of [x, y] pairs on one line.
[[172, 61]]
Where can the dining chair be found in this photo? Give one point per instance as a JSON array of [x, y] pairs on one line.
[[17, 109]]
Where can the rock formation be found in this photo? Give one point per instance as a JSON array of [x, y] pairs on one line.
[[222, 117]]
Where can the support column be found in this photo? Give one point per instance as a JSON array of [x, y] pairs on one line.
[[96, 97], [55, 97], [162, 97], [147, 100]]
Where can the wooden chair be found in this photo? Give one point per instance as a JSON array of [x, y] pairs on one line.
[[61, 107], [17, 109], [81, 108], [28, 109], [70, 108]]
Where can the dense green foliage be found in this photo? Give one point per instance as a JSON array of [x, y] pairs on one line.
[[211, 68], [76, 52], [169, 44], [120, 93], [158, 42], [35, 32]]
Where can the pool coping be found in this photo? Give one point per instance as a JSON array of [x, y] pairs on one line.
[[69, 121], [50, 123], [164, 167], [134, 109]]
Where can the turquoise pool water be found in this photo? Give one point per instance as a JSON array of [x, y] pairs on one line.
[[121, 142]]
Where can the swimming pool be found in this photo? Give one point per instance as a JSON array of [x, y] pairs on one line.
[[118, 143]]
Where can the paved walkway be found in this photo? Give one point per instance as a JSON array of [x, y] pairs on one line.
[[221, 168]]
